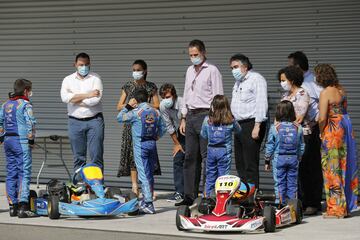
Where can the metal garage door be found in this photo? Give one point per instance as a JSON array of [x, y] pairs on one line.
[[39, 40]]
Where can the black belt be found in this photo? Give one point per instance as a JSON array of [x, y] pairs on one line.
[[246, 120], [198, 110], [88, 118]]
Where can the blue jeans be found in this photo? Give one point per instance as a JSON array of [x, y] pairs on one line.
[[178, 166], [87, 135]]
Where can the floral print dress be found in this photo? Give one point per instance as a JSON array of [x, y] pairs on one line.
[[339, 162]]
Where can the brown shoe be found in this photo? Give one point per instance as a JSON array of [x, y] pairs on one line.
[[309, 211]]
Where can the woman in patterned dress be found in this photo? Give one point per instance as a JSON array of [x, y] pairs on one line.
[[127, 165], [339, 160]]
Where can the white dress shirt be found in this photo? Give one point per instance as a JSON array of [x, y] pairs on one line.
[[249, 98], [72, 85]]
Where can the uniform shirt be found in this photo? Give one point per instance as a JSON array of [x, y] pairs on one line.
[[219, 135], [16, 117], [313, 89], [142, 127], [273, 141], [171, 116], [249, 98], [300, 102], [72, 85], [201, 87]]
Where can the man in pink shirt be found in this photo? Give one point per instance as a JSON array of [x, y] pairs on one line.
[[203, 81]]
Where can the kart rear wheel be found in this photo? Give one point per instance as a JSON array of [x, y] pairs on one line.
[[53, 207], [297, 206], [270, 219], [129, 197], [32, 198], [183, 210]]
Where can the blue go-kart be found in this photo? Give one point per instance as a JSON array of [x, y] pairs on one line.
[[86, 196]]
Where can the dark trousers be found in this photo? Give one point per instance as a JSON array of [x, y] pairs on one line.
[[247, 151], [178, 166], [196, 153], [310, 172]]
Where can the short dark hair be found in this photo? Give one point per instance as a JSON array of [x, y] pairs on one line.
[[285, 112], [82, 55], [300, 59], [143, 64], [326, 75], [198, 44], [141, 95], [20, 85], [243, 59], [168, 87], [293, 74]]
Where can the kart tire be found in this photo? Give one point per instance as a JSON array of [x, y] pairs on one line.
[[33, 194], [296, 204], [32, 197], [129, 197], [53, 207], [270, 219], [112, 191], [182, 210]]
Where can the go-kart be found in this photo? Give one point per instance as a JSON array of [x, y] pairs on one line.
[[237, 207], [86, 196]]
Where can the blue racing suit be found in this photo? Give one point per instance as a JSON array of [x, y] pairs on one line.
[[147, 127], [285, 144], [17, 128], [219, 150]]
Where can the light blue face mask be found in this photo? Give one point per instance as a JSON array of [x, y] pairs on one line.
[[238, 75], [83, 70], [167, 102], [196, 60], [137, 75]]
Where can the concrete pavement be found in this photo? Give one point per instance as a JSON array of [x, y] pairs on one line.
[[161, 226]]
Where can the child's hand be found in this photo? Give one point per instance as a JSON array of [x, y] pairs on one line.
[[267, 167]]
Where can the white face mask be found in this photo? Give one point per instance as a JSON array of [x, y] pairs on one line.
[[137, 75], [30, 93], [285, 85]]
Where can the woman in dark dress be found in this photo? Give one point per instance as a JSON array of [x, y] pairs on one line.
[[127, 165]]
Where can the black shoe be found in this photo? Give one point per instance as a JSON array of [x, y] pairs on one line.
[[24, 211], [186, 201], [13, 210]]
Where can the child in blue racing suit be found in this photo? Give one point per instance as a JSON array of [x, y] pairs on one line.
[[146, 127], [17, 131], [285, 144], [217, 128]]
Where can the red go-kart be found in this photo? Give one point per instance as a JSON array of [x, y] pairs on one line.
[[237, 207]]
